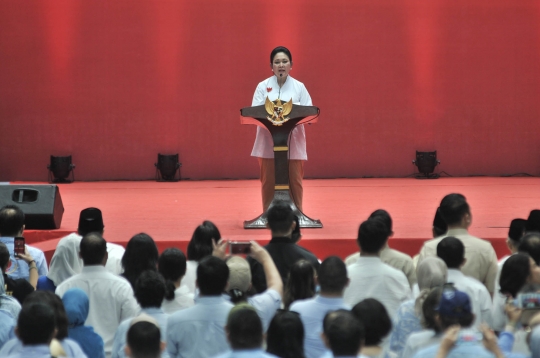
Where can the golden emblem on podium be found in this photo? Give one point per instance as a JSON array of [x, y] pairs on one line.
[[277, 111]]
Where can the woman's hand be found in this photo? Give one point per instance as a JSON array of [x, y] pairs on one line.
[[219, 249]]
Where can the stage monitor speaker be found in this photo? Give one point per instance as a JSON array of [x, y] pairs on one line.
[[41, 204]]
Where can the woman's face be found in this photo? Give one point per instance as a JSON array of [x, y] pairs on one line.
[[281, 65], [534, 277]]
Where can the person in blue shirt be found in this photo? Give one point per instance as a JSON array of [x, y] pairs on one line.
[[333, 280], [77, 306], [199, 331], [149, 291], [36, 327], [245, 334], [11, 226], [343, 333], [144, 339]]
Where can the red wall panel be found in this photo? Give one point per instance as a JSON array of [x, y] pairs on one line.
[[114, 83]]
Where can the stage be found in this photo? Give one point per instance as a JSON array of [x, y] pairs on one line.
[[169, 212]]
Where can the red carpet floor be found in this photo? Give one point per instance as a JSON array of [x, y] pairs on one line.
[[169, 212]]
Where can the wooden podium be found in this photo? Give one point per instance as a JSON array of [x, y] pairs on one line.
[[280, 134]]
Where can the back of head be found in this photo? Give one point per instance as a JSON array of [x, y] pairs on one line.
[[36, 324], [144, 340], [533, 221], [93, 249], [333, 275], [212, 276], [372, 236], [429, 309], [516, 230], [375, 318], [172, 266], [4, 256], [431, 272], [300, 283], [530, 244], [280, 219], [285, 335], [239, 278], [296, 235], [90, 220], [77, 306], [383, 216], [452, 251], [141, 254], [453, 207], [11, 221], [55, 303], [150, 289], [344, 332], [200, 245], [244, 328], [455, 308], [514, 274], [439, 225]]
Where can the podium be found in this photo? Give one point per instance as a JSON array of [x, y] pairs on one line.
[[259, 115]]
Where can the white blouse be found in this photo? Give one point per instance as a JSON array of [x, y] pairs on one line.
[[264, 145]]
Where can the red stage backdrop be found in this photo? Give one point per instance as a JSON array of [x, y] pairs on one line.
[[115, 82]]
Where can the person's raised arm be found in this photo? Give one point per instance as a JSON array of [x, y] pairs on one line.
[[32, 267], [273, 279]]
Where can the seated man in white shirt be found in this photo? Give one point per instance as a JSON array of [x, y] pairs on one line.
[[11, 226], [452, 251], [343, 334], [394, 258], [332, 280], [370, 277], [36, 327], [481, 258], [111, 296], [199, 331], [245, 334]]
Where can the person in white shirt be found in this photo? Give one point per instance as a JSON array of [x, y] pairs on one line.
[[286, 88], [370, 277], [452, 251], [111, 297], [394, 258], [343, 334], [66, 261], [481, 261], [172, 265], [332, 280]]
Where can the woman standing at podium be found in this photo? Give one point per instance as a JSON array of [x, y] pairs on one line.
[[284, 87]]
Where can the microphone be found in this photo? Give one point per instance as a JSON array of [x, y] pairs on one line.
[[279, 93]]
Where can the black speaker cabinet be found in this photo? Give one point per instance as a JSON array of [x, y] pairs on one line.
[[41, 204]]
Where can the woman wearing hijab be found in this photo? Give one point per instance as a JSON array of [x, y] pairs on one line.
[[431, 272], [77, 306], [64, 264]]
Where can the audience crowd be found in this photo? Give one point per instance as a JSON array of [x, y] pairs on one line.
[[97, 299]]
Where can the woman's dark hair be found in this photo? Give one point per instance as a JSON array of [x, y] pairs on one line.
[[374, 317], [514, 274], [300, 284], [53, 301], [429, 309], [278, 50], [285, 335], [200, 245], [141, 255], [172, 266]]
